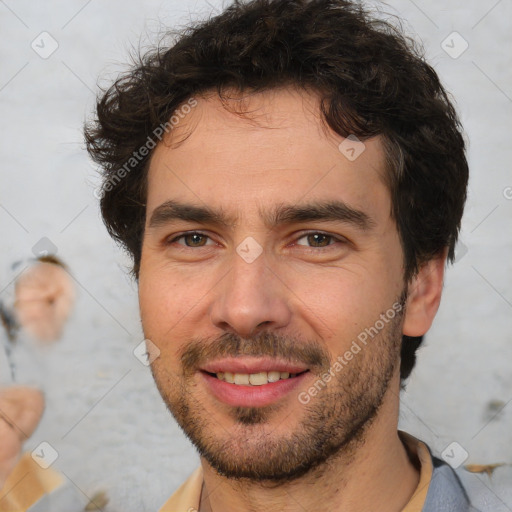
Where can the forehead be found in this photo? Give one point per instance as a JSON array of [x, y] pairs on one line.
[[261, 149]]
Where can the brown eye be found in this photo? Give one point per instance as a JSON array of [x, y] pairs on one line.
[[317, 239], [191, 239], [194, 240]]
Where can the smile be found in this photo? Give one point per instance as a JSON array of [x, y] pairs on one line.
[[255, 379], [252, 389]]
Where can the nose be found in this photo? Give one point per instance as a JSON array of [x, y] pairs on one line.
[[251, 297]]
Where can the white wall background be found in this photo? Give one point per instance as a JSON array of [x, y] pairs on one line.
[[104, 415]]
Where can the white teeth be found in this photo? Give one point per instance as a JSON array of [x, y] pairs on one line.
[[253, 379], [257, 379], [273, 376], [242, 378]]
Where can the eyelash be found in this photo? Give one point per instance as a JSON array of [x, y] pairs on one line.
[[303, 235]]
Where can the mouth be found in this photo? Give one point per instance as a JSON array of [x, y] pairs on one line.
[[250, 382], [254, 379]]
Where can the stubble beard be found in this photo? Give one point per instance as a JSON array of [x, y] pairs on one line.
[[333, 423]]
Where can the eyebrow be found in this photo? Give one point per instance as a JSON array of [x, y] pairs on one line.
[[281, 214]]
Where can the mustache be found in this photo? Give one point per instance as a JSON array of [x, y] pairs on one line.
[[294, 350]]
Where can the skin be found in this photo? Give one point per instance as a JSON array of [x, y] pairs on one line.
[[299, 293], [21, 409], [44, 300]]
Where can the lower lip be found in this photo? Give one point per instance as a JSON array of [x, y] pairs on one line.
[[251, 396]]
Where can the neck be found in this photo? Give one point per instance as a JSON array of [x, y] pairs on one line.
[[373, 474]]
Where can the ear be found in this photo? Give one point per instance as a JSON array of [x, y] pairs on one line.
[[424, 296]]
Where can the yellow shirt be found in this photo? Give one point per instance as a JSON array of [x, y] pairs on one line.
[[27, 484], [188, 496]]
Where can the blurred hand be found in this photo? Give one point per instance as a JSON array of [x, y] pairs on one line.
[[21, 409]]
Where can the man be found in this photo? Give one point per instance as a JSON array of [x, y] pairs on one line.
[[24, 484], [42, 302], [289, 178]]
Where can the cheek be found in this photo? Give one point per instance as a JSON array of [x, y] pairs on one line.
[[326, 299], [170, 303], [154, 301], [161, 304], [340, 303], [160, 288]]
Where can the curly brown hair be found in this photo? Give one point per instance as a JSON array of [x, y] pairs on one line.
[[370, 79]]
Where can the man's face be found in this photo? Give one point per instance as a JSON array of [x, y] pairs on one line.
[[308, 260]]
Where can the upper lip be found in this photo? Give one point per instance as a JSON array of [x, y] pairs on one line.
[[252, 365]]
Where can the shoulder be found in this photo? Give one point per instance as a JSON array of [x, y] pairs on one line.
[[488, 493], [188, 495], [459, 491], [446, 492]]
